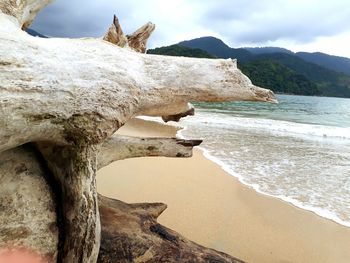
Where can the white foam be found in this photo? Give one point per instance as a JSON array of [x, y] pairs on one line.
[[310, 131], [325, 213]]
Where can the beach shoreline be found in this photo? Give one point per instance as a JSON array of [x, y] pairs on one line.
[[285, 199], [214, 209]]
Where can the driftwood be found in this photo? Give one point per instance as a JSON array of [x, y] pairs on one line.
[[124, 147], [136, 41], [130, 233], [67, 97]]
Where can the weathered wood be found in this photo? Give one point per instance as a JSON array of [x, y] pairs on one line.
[[123, 147], [115, 34], [24, 11], [138, 39], [27, 204], [189, 111], [75, 171], [131, 233]]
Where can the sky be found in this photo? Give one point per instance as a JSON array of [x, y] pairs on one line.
[[299, 25]]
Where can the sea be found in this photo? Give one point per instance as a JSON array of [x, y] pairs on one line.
[[297, 150]]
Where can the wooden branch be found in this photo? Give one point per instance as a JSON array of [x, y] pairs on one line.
[[123, 147], [188, 111], [23, 11], [138, 40], [115, 34], [131, 233]]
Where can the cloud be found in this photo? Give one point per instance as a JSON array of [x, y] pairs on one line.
[[91, 18], [238, 22], [77, 18], [257, 22]]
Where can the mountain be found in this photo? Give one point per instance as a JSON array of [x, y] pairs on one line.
[[267, 50], [217, 48], [34, 33], [177, 50], [339, 64], [335, 63], [328, 82], [279, 78], [281, 71], [310, 70]]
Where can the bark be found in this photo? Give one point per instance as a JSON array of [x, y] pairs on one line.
[[123, 147], [131, 233]]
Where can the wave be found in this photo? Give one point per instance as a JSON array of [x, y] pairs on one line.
[[278, 127]]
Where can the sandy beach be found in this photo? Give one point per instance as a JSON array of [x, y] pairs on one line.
[[212, 208]]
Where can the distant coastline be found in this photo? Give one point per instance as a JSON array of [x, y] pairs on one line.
[[291, 94]]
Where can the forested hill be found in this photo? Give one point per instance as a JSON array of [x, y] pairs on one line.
[[177, 50], [282, 71], [340, 64]]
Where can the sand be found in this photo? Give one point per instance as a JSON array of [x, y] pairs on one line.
[[212, 208]]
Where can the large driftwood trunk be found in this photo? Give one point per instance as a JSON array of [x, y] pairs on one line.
[[67, 97]]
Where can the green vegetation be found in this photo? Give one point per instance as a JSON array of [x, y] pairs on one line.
[[180, 51], [282, 72], [339, 64], [267, 73], [325, 82]]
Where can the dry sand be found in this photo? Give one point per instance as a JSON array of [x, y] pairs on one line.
[[214, 209]]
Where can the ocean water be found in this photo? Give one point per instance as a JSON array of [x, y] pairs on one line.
[[297, 150]]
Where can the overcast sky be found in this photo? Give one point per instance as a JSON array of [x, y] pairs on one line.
[[299, 25]]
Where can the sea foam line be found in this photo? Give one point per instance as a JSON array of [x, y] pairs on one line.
[[279, 127], [316, 210]]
